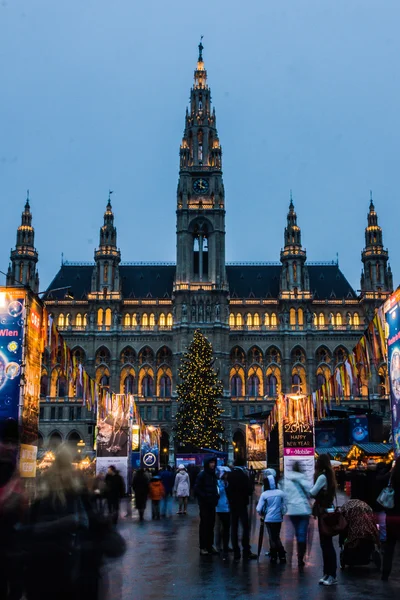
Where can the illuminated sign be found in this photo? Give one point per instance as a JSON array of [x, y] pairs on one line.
[[12, 302]]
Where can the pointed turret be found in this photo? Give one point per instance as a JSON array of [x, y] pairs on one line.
[[24, 258], [294, 277], [105, 278], [376, 275]]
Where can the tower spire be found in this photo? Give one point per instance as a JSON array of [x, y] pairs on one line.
[[25, 256], [201, 48], [376, 275], [294, 275], [105, 278]]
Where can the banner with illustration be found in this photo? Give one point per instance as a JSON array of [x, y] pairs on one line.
[[358, 429], [12, 314], [256, 446], [392, 309], [112, 437], [150, 448]]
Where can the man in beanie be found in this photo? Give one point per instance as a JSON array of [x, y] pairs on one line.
[[239, 491]]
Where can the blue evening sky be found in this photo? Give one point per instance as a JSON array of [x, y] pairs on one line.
[[93, 97]]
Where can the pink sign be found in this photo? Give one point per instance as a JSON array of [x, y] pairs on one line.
[[299, 451]]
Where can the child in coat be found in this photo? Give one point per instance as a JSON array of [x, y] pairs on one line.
[[156, 493], [271, 507]]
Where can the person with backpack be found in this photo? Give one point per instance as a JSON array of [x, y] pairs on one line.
[[271, 507], [239, 491], [297, 492]]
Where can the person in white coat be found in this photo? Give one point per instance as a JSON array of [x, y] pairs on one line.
[[297, 492], [182, 489]]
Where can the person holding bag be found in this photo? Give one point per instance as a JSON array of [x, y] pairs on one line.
[[392, 521], [324, 491]]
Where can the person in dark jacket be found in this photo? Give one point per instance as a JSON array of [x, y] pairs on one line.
[[167, 479], [140, 487], [206, 490], [239, 490], [115, 490], [392, 523]]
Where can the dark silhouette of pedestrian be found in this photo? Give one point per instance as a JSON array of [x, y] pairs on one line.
[[392, 523], [239, 490], [140, 487], [206, 491], [115, 490]]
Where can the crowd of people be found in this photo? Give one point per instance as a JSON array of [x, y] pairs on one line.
[[69, 523]]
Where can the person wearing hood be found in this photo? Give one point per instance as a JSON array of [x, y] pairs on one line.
[[271, 507], [182, 489], [206, 491], [297, 492], [223, 517], [239, 491], [156, 494]]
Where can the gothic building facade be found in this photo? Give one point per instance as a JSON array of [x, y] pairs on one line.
[[274, 326]]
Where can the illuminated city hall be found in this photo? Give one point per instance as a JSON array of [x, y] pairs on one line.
[[273, 326]]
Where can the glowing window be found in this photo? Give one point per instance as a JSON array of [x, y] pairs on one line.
[[78, 320], [231, 320], [349, 319], [292, 316], [145, 320], [127, 320], [239, 320], [332, 319], [100, 316], [356, 319], [315, 319], [134, 320], [274, 321], [67, 320], [162, 320], [249, 320], [339, 319], [85, 320], [61, 320], [321, 319], [152, 320], [170, 320], [256, 320], [266, 320], [236, 386], [300, 316], [108, 317]]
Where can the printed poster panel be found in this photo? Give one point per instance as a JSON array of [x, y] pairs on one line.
[[393, 327], [27, 460], [298, 446], [12, 304], [149, 450], [34, 345], [119, 462], [256, 447], [358, 429], [112, 438]]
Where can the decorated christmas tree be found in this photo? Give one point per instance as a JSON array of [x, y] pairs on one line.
[[198, 420]]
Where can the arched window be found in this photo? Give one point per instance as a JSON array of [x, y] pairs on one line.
[[67, 320], [239, 320], [315, 320], [273, 355], [331, 319], [79, 356], [146, 355], [249, 320], [44, 384], [127, 320], [103, 356], [105, 381], [349, 319], [147, 386], [152, 320], [85, 320], [129, 384], [165, 386], [293, 316], [323, 355], [266, 320], [61, 320], [78, 320], [320, 380], [339, 320], [108, 317], [298, 355], [272, 384], [256, 320], [128, 356], [356, 320], [231, 320], [255, 355], [62, 387], [321, 320], [134, 321], [145, 320], [100, 316], [253, 385], [340, 355], [237, 355], [296, 382], [161, 320], [236, 386], [170, 320], [274, 320], [300, 316]]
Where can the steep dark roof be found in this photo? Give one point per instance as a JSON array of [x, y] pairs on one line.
[[245, 281]]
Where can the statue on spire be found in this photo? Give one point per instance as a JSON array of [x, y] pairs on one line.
[[201, 48]]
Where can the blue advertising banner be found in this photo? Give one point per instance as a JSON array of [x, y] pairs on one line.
[[393, 325], [358, 429], [11, 343], [149, 450]]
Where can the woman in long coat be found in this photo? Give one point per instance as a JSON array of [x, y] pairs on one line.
[[140, 487], [182, 489]]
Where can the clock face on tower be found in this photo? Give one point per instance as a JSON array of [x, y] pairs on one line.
[[200, 186]]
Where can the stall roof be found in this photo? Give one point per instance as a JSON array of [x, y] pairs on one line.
[[333, 450], [375, 449]]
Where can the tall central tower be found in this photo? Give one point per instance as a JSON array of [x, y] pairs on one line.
[[201, 287]]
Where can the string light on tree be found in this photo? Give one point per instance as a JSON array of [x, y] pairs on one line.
[[198, 420]]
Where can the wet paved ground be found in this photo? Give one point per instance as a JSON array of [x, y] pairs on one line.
[[163, 562]]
